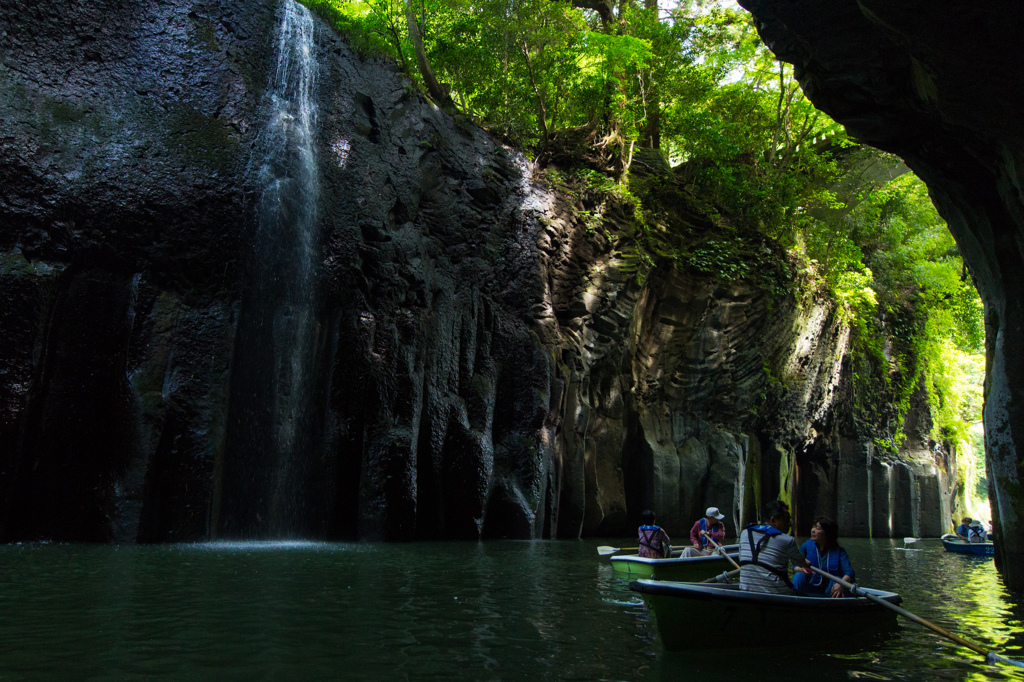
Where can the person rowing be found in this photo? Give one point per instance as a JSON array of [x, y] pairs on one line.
[[766, 551], [823, 551], [964, 528], [654, 541], [708, 526]]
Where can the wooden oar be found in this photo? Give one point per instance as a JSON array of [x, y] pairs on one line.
[[721, 550], [907, 541], [990, 656], [723, 577], [605, 550]]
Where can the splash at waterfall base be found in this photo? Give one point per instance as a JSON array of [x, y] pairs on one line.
[[450, 352]]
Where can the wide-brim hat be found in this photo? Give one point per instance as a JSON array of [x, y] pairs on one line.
[[713, 511], [975, 524]]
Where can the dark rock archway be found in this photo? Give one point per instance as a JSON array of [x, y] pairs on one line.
[[939, 85]]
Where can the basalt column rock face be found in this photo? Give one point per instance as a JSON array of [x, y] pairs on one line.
[[122, 162], [474, 357], [129, 181], [939, 86], [872, 491]]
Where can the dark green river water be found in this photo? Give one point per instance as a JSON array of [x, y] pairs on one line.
[[441, 611]]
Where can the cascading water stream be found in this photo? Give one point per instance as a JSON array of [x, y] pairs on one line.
[[270, 475]]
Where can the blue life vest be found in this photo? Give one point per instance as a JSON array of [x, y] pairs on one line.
[[704, 542], [764, 528], [648, 535]]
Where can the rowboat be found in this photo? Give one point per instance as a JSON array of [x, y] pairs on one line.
[[712, 615], [633, 566], [960, 547]]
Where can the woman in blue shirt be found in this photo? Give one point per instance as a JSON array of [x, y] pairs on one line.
[[824, 552]]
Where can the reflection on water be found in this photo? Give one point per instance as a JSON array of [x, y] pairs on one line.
[[501, 610]]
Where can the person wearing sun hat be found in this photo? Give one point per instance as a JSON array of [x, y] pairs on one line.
[[711, 524], [976, 532]]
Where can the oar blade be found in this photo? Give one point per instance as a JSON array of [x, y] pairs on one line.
[[990, 656], [993, 658], [605, 550]]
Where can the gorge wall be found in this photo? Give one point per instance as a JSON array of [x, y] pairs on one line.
[[939, 86], [480, 360]]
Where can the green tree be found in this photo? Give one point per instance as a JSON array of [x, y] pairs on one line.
[[770, 172]]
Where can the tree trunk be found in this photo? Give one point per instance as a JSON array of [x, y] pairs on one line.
[[604, 9], [650, 136], [434, 89]]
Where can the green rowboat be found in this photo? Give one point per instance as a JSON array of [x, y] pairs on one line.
[[694, 569], [710, 615]]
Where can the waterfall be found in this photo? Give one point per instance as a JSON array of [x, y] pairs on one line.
[[271, 479]]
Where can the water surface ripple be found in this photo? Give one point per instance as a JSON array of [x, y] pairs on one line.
[[488, 611]]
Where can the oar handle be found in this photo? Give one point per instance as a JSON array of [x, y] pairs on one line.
[[720, 549], [906, 614]]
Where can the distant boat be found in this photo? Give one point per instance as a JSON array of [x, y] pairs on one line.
[[961, 547], [693, 569], [710, 615]]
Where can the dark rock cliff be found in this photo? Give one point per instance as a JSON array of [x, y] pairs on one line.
[[482, 362], [939, 86]]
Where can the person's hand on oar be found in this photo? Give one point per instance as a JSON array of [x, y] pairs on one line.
[[721, 550]]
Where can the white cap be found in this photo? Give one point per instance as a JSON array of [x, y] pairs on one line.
[[713, 511]]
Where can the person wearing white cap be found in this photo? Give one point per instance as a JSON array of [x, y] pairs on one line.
[[976, 532], [711, 524]]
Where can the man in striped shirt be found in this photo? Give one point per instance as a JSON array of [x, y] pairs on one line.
[[766, 552]]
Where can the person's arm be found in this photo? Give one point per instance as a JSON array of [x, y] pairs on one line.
[[718, 533], [695, 534], [846, 567], [793, 552], [666, 544], [805, 552]]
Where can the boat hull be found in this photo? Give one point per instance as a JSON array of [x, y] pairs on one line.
[[701, 616], [975, 548], [693, 569]]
